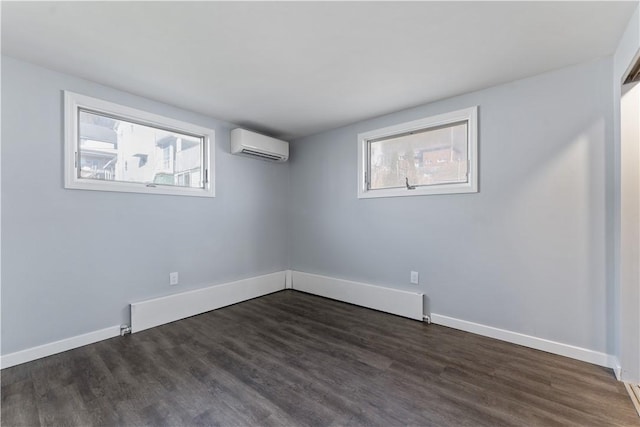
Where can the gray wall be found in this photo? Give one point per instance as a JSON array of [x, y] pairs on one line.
[[73, 260], [527, 253]]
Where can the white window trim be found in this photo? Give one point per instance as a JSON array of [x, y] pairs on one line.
[[74, 101], [468, 114]]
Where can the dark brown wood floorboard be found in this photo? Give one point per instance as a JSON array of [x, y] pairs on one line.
[[293, 359]]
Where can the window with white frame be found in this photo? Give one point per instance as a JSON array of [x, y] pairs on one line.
[[111, 147], [434, 155]]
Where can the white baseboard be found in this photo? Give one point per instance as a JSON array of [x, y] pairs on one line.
[[614, 363], [49, 349], [288, 281], [158, 311], [549, 346], [394, 301], [155, 312], [408, 304]]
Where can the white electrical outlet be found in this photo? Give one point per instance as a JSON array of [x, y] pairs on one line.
[[173, 278], [414, 277]]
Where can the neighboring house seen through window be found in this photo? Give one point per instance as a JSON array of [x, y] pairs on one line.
[[115, 148], [435, 155]]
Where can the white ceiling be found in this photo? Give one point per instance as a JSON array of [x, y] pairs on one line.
[[296, 68]]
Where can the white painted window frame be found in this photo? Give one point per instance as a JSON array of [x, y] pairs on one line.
[[470, 115], [74, 101]]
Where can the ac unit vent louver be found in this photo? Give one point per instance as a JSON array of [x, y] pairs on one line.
[[255, 145], [259, 154]]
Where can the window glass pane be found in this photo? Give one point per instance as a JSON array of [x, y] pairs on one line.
[[114, 149], [427, 157]]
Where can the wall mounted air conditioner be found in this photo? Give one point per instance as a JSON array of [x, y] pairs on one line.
[[255, 145]]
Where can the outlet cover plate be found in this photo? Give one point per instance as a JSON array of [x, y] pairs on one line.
[[414, 277], [173, 278]]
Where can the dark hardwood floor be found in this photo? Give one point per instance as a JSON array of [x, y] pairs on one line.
[[292, 359]]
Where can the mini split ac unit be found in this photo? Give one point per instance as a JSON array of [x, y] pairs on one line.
[[256, 145]]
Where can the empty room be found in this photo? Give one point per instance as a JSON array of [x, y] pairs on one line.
[[320, 213]]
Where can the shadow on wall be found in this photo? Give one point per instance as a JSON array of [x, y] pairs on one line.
[[566, 184]]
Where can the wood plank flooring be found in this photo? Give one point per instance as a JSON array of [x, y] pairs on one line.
[[293, 359]]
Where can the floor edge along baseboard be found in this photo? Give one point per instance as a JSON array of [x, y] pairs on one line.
[[561, 349], [49, 349], [158, 311], [389, 300]]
